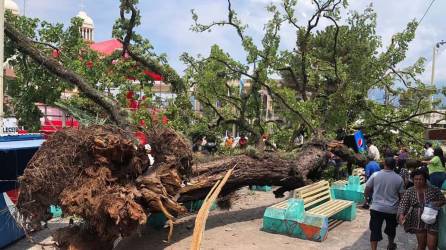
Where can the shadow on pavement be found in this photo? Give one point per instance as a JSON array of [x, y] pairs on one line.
[[153, 239]]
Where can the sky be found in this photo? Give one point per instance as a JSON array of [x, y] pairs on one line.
[[167, 24]]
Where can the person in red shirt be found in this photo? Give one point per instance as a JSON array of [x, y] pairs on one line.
[[243, 141]]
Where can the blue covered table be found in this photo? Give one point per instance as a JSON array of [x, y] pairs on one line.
[[15, 152]]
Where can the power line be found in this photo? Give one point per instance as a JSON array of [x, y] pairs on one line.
[[427, 10]]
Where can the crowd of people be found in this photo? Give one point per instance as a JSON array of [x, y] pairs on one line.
[[409, 198], [202, 144]]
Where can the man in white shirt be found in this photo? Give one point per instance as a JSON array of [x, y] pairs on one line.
[[373, 151], [428, 151]]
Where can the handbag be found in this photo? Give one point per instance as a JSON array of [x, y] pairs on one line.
[[429, 215]]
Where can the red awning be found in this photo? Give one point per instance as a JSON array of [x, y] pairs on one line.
[[108, 47], [153, 75]]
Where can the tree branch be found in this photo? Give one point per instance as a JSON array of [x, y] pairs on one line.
[[24, 44]]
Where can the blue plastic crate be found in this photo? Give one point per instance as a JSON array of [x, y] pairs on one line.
[[55, 211]]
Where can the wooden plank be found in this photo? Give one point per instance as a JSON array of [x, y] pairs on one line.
[[319, 208], [334, 209], [203, 213], [314, 191], [330, 208], [317, 196], [323, 207], [326, 197], [311, 185]]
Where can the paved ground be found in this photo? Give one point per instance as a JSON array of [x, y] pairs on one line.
[[239, 228]]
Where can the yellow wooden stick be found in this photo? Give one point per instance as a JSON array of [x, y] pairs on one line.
[[203, 213]]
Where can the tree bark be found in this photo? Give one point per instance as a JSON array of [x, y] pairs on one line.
[[268, 169]]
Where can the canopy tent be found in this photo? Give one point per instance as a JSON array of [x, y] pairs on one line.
[[15, 152]]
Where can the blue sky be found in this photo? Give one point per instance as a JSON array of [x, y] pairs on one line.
[[166, 24]]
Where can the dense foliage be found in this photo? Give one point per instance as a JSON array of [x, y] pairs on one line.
[[325, 80], [321, 86]]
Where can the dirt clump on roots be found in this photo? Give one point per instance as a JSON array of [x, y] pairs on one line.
[[102, 175]]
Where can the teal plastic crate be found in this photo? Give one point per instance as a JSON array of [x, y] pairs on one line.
[[194, 206], [265, 188], [55, 211], [157, 221]]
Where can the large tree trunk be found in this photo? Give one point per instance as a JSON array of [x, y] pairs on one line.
[[268, 169]]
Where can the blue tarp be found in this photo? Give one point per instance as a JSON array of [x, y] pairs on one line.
[[9, 230], [26, 137], [15, 152], [14, 156], [19, 145]]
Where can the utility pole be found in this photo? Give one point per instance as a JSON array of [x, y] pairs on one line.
[[2, 38], [434, 52]]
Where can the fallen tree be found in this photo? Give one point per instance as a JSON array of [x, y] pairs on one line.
[[101, 175]]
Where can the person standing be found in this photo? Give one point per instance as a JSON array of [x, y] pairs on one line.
[[436, 167], [204, 142], [243, 142], [411, 208], [428, 151], [401, 169], [371, 167], [385, 187], [373, 150], [229, 141]]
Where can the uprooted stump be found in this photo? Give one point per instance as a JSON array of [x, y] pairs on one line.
[[101, 174]]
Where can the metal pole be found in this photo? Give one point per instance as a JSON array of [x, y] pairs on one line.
[[2, 34], [433, 64]]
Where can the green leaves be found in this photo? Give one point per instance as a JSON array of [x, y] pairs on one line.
[[326, 78]]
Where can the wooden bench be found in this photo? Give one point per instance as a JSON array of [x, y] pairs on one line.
[[318, 214], [317, 199]]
